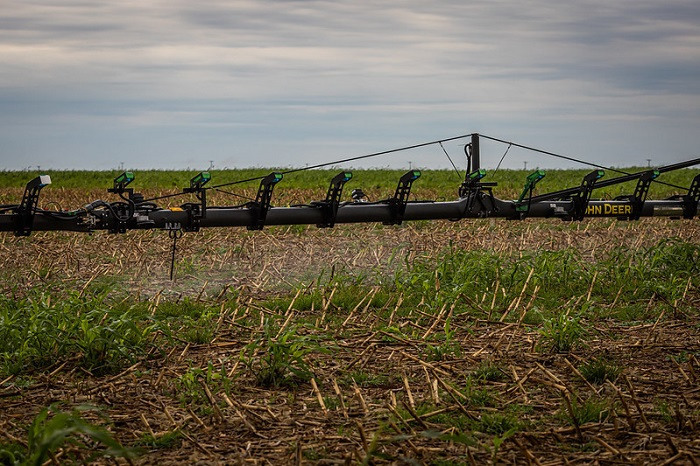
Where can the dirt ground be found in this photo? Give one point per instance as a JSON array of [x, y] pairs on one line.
[[376, 398]]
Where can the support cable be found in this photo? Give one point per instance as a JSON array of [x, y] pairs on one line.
[[349, 159], [234, 194], [450, 159], [572, 159], [501, 161], [325, 164]]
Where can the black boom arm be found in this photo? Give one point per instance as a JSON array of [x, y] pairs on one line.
[[476, 200]]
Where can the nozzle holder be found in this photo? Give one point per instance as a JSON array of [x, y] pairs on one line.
[[120, 183], [261, 205], [24, 216], [196, 211], [397, 204], [329, 206]]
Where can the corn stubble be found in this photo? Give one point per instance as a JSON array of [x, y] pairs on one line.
[[434, 343]]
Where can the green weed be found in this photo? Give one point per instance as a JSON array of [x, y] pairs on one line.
[[497, 442], [590, 410], [476, 396], [312, 454], [665, 411], [448, 348], [166, 440], [349, 291], [627, 277], [52, 429], [497, 423], [191, 389], [490, 371], [561, 333], [599, 370], [279, 361], [366, 379], [37, 331]]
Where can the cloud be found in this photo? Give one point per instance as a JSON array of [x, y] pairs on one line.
[[227, 77]]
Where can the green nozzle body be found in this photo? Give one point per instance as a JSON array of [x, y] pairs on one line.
[[125, 178], [200, 179], [532, 179]]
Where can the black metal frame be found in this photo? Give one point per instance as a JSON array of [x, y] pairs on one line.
[[398, 203], [476, 200], [24, 216], [581, 199], [261, 205], [329, 206], [196, 211]]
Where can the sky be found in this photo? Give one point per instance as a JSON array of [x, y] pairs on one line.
[[211, 84]]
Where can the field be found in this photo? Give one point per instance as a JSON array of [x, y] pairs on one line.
[[473, 342]]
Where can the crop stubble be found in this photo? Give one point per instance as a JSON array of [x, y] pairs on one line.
[[391, 388]]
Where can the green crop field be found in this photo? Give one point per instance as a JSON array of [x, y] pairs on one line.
[[442, 343], [442, 183]]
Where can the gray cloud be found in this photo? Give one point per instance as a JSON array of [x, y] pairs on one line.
[[171, 84]]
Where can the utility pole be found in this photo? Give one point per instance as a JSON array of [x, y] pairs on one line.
[[525, 163], [211, 165], [121, 166]]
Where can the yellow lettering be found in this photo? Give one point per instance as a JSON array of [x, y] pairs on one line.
[[609, 209]]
